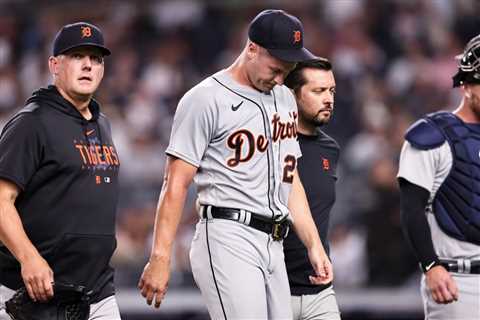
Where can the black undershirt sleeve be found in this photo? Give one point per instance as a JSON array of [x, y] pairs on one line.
[[415, 226]]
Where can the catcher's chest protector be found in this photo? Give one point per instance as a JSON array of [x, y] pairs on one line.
[[456, 203]]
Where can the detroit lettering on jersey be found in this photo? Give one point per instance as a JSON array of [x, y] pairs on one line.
[[95, 155], [244, 144]]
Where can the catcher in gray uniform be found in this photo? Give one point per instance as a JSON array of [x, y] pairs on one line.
[[235, 135], [439, 183]]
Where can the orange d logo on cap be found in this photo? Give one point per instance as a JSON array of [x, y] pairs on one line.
[[281, 34], [76, 35], [297, 36], [86, 32]]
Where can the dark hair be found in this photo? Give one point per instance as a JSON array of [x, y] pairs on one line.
[[296, 79]]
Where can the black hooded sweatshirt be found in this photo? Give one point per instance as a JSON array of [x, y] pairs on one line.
[[66, 168]]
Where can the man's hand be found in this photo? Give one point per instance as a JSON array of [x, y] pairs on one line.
[[441, 285], [38, 278], [154, 280], [322, 266], [176, 180]]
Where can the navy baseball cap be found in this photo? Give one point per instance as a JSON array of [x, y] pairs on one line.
[[281, 34], [77, 35]]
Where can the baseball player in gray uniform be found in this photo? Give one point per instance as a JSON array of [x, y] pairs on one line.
[[439, 181], [235, 135]]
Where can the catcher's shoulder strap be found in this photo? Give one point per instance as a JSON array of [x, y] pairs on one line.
[[425, 134]]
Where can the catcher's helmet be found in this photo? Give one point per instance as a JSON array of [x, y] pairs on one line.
[[468, 64]]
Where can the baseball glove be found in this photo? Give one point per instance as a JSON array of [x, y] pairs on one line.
[[70, 302]]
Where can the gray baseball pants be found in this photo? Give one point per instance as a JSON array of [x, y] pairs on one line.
[[106, 309], [320, 306], [466, 308], [240, 271]]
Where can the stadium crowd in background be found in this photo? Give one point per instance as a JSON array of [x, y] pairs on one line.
[[393, 63]]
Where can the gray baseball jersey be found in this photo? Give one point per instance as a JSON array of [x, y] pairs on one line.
[[429, 169], [243, 142]]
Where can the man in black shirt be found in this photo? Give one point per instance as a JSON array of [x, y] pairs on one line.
[[313, 84], [58, 184]]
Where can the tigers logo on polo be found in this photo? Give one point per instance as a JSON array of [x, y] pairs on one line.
[[326, 164], [86, 32]]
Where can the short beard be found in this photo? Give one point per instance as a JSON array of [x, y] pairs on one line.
[[320, 123]]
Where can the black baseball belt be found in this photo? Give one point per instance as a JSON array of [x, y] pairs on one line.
[[461, 265], [278, 229]]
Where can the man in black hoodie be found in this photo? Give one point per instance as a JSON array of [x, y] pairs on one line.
[[58, 182]]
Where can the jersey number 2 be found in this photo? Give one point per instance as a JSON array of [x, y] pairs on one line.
[[290, 164]]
